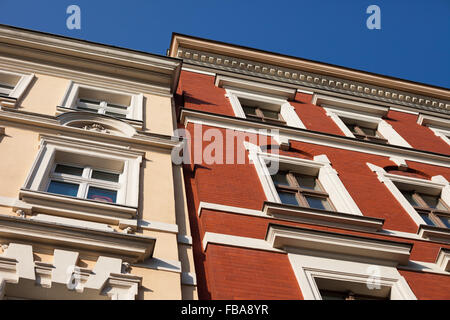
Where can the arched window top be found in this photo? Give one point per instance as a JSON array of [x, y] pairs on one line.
[[96, 122]]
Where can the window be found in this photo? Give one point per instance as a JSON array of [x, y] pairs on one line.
[[258, 113], [305, 183], [301, 190], [426, 201], [431, 208], [360, 120], [260, 101], [364, 131], [121, 105], [84, 178], [103, 107], [5, 89], [13, 85], [84, 182], [440, 126]]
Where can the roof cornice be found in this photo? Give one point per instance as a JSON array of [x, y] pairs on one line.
[[308, 74], [92, 57]]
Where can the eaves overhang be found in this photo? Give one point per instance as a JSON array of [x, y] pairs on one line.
[[92, 57]]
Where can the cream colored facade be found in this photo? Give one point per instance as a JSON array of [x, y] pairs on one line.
[[55, 246]]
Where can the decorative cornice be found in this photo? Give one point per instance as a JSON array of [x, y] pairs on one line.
[[58, 123], [97, 58], [312, 80], [132, 248]]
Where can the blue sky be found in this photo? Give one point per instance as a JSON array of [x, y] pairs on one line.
[[413, 43]]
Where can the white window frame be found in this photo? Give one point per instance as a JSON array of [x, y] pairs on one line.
[[40, 173], [336, 108], [22, 84], [328, 177], [440, 126], [260, 92], [308, 267], [437, 183], [71, 98]]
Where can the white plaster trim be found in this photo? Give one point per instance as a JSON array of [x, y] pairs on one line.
[[438, 183], [258, 213], [443, 260], [258, 87], [188, 279], [284, 237], [160, 264], [403, 110], [307, 267], [225, 208], [184, 239], [287, 111], [427, 267], [196, 117], [305, 91], [236, 241], [383, 127], [198, 71], [433, 121], [22, 84], [72, 222], [158, 226], [71, 97], [106, 279]]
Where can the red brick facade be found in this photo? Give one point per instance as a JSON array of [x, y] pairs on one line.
[[235, 272]]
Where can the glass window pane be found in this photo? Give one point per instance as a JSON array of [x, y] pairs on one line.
[[427, 219], [270, 114], [307, 182], [88, 105], [431, 201], [445, 220], [318, 203], [280, 178], [409, 197], [249, 110], [288, 198], [369, 132], [117, 107], [103, 195], [63, 188], [69, 170], [107, 176]]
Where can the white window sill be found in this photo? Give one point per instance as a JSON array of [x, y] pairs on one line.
[[70, 207], [434, 233], [310, 215]]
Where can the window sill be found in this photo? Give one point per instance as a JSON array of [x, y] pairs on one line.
[[434, 233], [70, 207], [317, 216], [288, 238]]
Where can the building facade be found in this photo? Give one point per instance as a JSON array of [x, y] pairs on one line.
[[91, 206], [311, 181]]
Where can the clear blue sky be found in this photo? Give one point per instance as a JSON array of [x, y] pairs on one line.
[[413, 43]]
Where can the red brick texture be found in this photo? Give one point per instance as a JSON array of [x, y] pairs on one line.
[[236, 273], [245, 274]]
